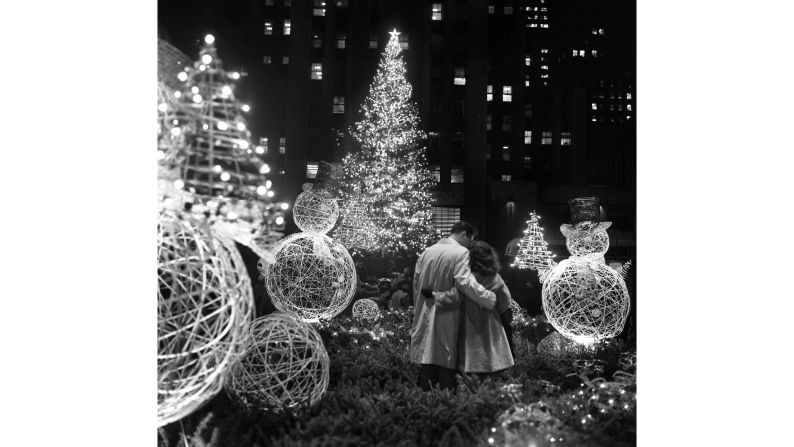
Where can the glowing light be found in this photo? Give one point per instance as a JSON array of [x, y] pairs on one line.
[[222, 125], [265, 168], [217, 169], [246, 108], [226, 90], [160, 155], [285, 206], [268, 184], [279, 220], [244, 144], [271, 193], [231, 215], [235, 75], [261, 150], [261, 190], [182, 76], [209, 39], [197, 98], [206, 59], [241, 126], [177, 94], [202, 67], [205, 126], [176, 131], [179, 184], [162, 107], [490, 440], [225, 176], [194, 90]]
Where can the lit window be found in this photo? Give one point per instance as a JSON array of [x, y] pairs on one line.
[[319, 8], [601, 31], [527, 137], [507, 122], [594, 106], [528, 110], [342, 3], [460, 76], [545, 138], [268, 27], [628, 95], [373, 41], [339, 104], [287, 27], [285, 60], [438, 12], [506, 177], [488, 122], [544, 25], [435, 173], [317, 71], [508, 9], [341, 41], [628, 107], [575, 53], [490, 9], [544, 67], [262, 145], [532, 25], [267, 60], [403, 41], [311, 169], [282, 145], [507, 93], [527, 60], [317, 42], [565, 139], [526, 81], [456, 175], [594, 53], [544, 50], [489, 93], [444, 218]]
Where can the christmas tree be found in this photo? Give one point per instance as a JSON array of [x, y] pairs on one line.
[[533, 251], [217, 160], [389, 164]]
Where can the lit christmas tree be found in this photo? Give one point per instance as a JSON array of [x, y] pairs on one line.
[[218, 159], [533, 252], [390, 167]]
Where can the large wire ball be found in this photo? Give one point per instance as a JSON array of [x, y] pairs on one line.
[[585, 301], [310, 276], [315, 211], [561, 353], [204, 307], [285, 365], [591, 244], [366, 309]]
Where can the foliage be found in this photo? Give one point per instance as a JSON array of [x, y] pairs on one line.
[[373, 400]]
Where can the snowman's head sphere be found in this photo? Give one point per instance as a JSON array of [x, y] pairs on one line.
[[586, 238]]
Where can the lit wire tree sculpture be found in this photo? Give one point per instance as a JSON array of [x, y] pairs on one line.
[[284, 365], [204, 307], [389, 165], [218, 160], [533, 252], [356, 231]]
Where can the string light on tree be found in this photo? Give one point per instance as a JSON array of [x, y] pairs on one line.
[[356, 231], [389, 166]]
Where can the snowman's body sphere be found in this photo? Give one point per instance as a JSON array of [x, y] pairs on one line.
[[585, 300], [311, 276], [315, 211]]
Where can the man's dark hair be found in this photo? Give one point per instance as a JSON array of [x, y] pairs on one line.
[[464, 227]]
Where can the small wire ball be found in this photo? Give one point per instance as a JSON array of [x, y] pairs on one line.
[[204, 308], [561, 353], [315, 211], [585, 301], [285, 364], [366, 309], [590, 244], [310, 276]]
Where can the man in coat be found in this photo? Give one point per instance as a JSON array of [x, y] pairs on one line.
[[434, 334]]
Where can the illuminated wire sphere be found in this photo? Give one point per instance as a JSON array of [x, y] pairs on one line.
[[315, 211], [585, 301], [366, 309], [284, 365], [561, 353], [204, 309], [518, 311], [310, 276], [586, 239], [530, 424]]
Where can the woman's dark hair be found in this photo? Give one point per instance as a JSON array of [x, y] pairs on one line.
[[483, 258]]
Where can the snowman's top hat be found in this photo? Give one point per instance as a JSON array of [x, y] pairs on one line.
[[585, 216]]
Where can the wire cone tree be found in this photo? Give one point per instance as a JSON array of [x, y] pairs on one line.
[[533, 252], [217, 159], [388, 166]]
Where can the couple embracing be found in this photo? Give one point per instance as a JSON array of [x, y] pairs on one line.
[[461, 309]]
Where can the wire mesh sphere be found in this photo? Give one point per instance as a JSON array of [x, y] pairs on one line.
[[285, 365], [587, 243], [518, 311], [585, 301], [315, 211], [310, 276], [366, 309], [204, 308], [561, 353]]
